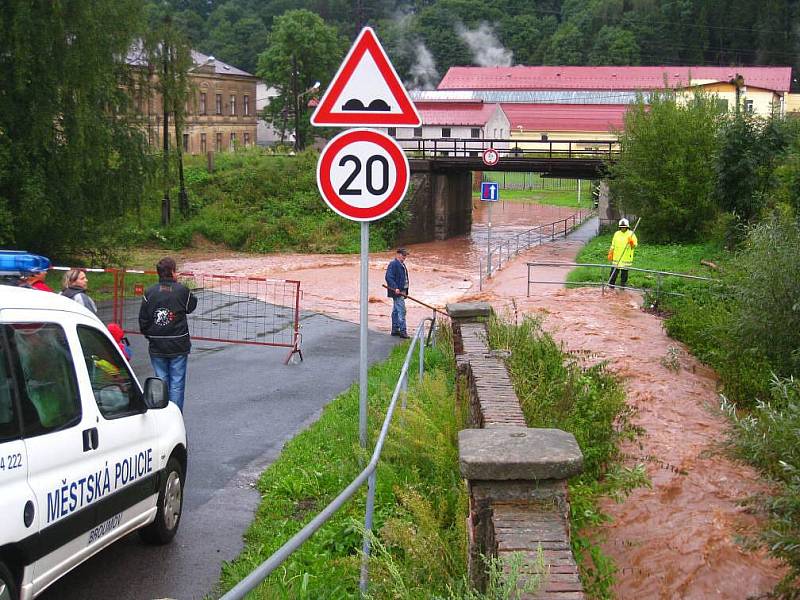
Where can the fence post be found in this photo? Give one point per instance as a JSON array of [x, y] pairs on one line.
[[364, 580], [404, 388]]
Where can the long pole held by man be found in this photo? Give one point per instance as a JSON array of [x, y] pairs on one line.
[[621, 252]]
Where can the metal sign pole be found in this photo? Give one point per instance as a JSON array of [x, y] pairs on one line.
[[489, 244], [363, 318]]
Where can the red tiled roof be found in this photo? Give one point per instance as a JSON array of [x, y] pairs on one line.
[[455, 113], [566, 117], [607, 78]]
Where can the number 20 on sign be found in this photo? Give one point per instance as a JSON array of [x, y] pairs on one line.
[[362, 174]]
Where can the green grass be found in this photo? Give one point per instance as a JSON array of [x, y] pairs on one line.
[[676, 258], [549, 197], [555, 391], [420, 497]]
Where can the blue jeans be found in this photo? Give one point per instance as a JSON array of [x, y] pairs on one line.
[[173, 372], [399, 314]]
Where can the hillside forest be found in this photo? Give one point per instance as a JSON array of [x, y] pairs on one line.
[[426, 37]]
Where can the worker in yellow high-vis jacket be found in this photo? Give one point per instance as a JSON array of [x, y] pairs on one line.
[[621, 253]]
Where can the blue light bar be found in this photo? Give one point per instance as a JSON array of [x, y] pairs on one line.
[[19, 263]]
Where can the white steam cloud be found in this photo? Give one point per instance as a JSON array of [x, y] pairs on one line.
[[487, 51], [424, 75]]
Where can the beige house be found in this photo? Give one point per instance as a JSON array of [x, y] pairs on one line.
[[221, 113]]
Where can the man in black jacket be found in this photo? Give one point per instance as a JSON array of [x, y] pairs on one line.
[[162, 320]]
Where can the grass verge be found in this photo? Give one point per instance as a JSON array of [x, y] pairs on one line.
[[557, 392], [420, 497]]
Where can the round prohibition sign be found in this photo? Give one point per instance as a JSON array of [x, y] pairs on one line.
[[491, 157], [362, 174]]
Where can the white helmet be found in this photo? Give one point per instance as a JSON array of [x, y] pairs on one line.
[[624, 223]]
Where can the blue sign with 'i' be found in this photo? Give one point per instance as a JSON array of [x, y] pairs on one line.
[[490, 191]]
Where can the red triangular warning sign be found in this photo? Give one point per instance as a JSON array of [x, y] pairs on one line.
[[366, 91]]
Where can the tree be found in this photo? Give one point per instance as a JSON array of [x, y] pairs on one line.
[[664, 174], [76, 160], [168, 51], [614, 46], [565, 47], [302, 50]]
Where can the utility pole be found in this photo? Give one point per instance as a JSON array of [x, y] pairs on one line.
[[166, 209], [738, 82]]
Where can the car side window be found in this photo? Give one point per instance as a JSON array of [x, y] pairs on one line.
[[49, 398], [115, 390], [9, 420]]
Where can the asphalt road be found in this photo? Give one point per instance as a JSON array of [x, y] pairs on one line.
[[242, 404]]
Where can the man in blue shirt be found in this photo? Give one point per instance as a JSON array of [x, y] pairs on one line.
[[397, 284]]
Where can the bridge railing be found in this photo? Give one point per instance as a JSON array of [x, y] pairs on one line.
[[517, 148]]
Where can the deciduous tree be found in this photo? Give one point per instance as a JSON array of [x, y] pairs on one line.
[[302, 50]]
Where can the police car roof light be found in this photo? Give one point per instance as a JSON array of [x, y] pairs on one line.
[[19, 262]]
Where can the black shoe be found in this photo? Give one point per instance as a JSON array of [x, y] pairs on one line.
[[404, 335], [395, 333]]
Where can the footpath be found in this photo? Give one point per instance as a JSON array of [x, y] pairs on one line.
[[679, 538]]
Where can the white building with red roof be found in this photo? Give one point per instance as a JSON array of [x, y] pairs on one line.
[[448, 118], [557, 102]]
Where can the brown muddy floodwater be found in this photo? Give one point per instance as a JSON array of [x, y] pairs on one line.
[[676, 540]]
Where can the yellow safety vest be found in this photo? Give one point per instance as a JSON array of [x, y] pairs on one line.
[[621, 249]]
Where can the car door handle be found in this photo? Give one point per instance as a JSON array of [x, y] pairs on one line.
[[90, 439]]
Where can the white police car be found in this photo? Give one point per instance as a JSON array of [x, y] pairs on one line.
[[86, 456]]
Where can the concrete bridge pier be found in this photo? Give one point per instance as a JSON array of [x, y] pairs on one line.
[[439, 205]]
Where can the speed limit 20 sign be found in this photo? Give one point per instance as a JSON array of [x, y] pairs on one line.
[[362, 174]]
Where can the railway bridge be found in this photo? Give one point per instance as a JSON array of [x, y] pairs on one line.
[[443, 173]]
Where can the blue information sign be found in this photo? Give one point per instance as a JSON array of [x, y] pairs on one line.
[[490, 191]]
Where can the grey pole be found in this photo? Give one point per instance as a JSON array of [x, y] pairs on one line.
[[363, 317], [489, 244]]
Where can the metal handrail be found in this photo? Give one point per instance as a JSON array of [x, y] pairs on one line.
[[576, 218], [260, 573], [603, 284]]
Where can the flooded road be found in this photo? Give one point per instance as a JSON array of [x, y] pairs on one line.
[[676, 540]]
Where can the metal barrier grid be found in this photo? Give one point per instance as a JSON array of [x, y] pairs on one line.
[[524, 240], [367, 475], [230, 308], [603, 284]]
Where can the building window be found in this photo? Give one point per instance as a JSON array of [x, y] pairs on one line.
[[203, 98], [475, 132], [219, 104], [203, 143], [748, 106], [246, 137], [722, 105], [246, 105], [544, 137], [186, 142], [392, 131], [218, 145], [233, 105], [418, 132], [233, 140], [445, 132]]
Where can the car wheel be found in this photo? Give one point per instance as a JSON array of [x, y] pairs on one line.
[[8, 585], [170, 507]]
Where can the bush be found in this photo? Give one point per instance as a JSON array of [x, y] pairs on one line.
[[766, 289], [767, 438], [664, 174]]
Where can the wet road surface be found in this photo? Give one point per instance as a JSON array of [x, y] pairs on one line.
[[242, 405]]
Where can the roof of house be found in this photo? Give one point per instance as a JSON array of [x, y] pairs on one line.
[[138, 57], [455, 113], [566, 117], [608, 78], [220, 68]]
